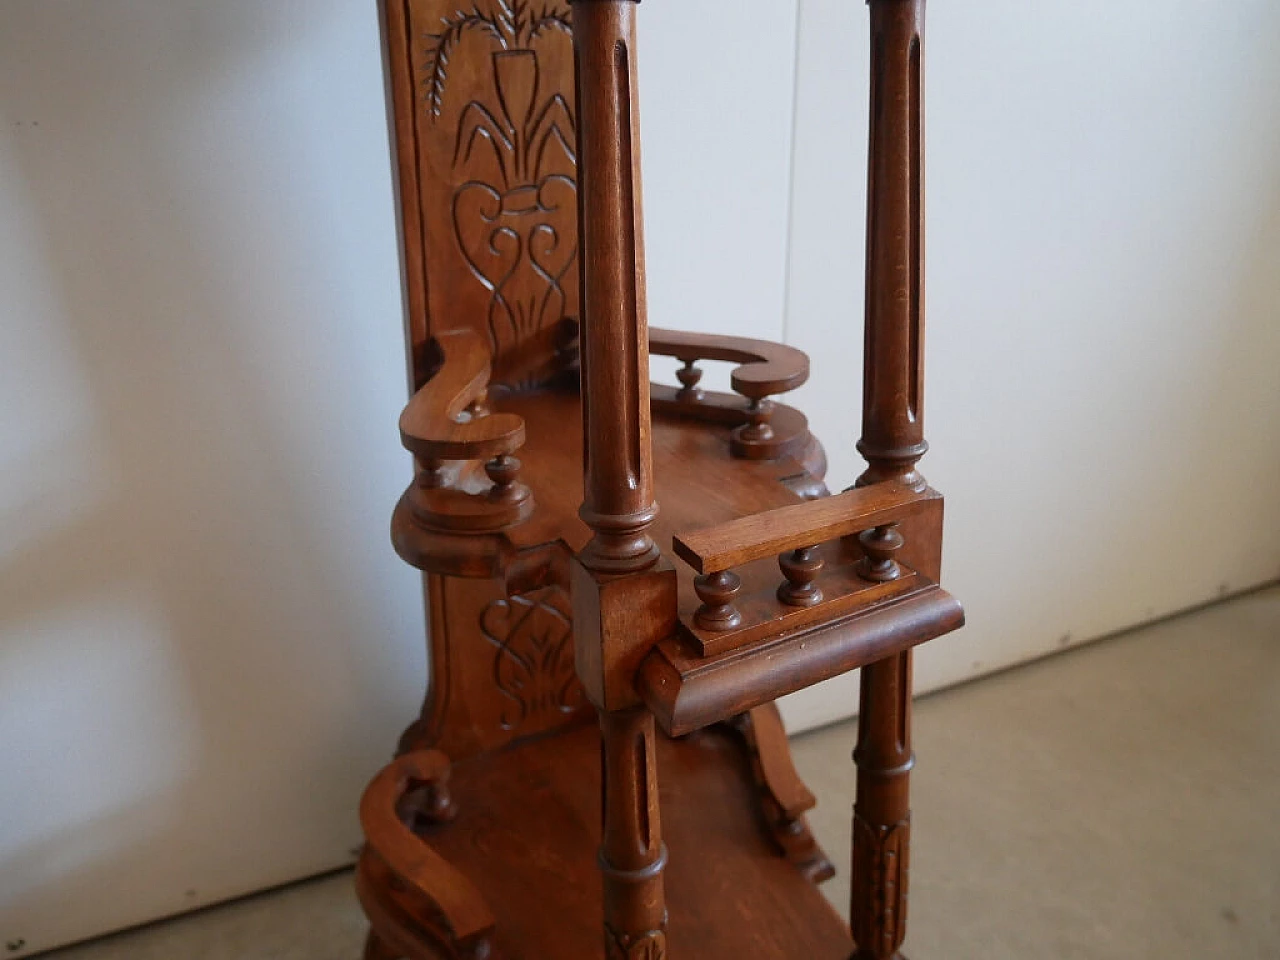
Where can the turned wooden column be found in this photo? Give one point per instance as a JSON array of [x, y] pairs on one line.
[[892, 443], [632, 854], [882, 812], [614, 347], [893, 349], [624, 595]]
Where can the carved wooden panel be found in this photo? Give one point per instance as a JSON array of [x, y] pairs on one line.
[[532, 636], [501, 663], [485, 136]]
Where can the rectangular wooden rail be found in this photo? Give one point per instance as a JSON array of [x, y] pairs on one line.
[[844, 601], [688, 691], [732, 544]]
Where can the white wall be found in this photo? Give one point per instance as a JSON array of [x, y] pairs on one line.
[[1103, 275], [206, 644]]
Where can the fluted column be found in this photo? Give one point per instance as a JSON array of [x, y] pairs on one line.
[[632, 854], [893, 350], [882, 812], [892, 443], [624, 594], [618, 464]]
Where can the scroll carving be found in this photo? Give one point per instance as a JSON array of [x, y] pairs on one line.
[[504, 141], [533, 661], [879, 881]]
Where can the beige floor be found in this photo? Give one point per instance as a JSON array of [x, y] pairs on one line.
[[1117, 801]]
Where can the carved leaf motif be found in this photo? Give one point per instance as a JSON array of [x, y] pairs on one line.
[[879, 881], [533, 663], [514, 206]]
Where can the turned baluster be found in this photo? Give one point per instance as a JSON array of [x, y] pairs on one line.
[[892, 442], [717, 591], [624, 595], [689, 376], [881, 546], [426, 799], [801, 568], [504, 471], [759, 412], [431, 474]]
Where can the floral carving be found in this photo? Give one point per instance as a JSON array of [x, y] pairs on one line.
[[533, 664], [513, 26], [514, 210]]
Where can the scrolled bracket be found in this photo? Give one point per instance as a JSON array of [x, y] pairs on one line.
[[761, 428], [449, 427]]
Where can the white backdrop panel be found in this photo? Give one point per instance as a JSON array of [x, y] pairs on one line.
[[1103, 307], [206, 643]]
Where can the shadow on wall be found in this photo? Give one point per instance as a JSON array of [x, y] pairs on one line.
[[203, 356]]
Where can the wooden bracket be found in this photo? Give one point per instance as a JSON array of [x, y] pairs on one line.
[[845, 601], [422, 882], [467, 480], [763, 430], [824, 573], [687, 691]]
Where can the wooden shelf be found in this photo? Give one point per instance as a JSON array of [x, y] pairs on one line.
[[687, 691]]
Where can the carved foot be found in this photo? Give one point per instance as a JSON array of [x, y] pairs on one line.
[[417, 900], [783, 796], [799, 846]]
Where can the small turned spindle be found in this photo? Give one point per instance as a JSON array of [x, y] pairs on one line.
[[716, 591], [504, 471], [479, 407], [427, 802], [689, 375], [431, 475], [881, 546], [801, 567], [759, 410]]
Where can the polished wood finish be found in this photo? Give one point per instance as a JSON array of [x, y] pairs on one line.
[[448, 420], [484, 133], [764, 369], [617, 619], [893, 349], [510, 824], [426, 881], [528, 831], [618, 452], [687, 689], [892, 442], [785, 528], [785, 797], [764, 430]]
